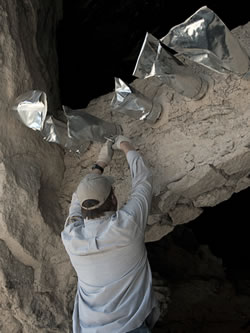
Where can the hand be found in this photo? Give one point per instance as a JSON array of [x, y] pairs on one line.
[[118, 140], [106, 154]]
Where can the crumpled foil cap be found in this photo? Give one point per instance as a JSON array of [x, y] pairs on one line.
[[205, 39], [83, 126], [31, 109], [132, 103]]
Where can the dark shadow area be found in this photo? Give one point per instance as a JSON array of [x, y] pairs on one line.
[[50, 208], [99, 40], [225, 229], [206, 265]]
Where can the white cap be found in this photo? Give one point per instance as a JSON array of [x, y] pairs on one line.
[[94, 187]]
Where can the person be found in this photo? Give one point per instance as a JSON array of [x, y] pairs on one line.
[[107, 250]]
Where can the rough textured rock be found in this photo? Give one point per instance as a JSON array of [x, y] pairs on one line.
[[33, 267]]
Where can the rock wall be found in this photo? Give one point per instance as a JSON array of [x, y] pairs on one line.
[[32, 261]]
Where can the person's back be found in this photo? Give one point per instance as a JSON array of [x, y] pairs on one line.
[[114, 291]]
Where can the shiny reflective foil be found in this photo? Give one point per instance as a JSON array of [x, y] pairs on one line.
[[205, 39], [134, 104], [31, 109], [55, 131], [75, 135], [82, 126], [156, 60]]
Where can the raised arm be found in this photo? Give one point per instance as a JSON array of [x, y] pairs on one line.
[[139, 203], [103, 159]]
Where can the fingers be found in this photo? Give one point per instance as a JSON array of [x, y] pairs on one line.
[[118, 140]]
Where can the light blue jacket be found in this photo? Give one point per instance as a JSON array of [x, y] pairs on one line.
[[114, 293]]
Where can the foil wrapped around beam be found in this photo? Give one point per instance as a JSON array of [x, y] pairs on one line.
[[55, 131], [82, 126], [156, 60], [205, 39], [132, 103], [31, 109]]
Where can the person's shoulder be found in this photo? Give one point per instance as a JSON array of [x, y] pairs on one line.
[[124, 218]]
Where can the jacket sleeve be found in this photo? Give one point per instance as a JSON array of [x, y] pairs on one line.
[[75, 212], [139, 203]]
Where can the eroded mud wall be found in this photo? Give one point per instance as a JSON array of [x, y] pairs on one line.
[[31, 255]]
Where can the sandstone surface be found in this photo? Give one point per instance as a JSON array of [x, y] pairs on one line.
[[32, 259]]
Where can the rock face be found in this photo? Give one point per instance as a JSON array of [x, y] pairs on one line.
[[199, 152], [33, 267]]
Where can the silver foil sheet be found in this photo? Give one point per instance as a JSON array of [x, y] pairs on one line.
[[74, 134], [156, 60], [31, 109], [55, 131], [205, 39], [82, 126], [132, 103]]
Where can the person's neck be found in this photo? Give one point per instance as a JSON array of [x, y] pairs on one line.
[[103, 217]]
